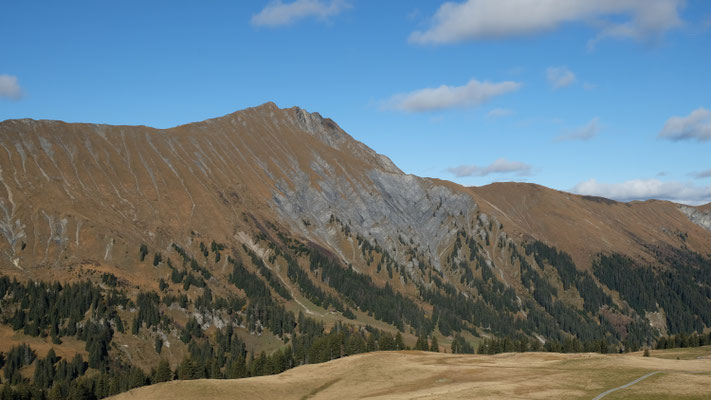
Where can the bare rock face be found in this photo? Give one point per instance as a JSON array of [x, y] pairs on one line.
[[699, 217], [389, 208], [331, 134]]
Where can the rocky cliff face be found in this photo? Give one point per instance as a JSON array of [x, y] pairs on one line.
[[697, 216], [396, 210]]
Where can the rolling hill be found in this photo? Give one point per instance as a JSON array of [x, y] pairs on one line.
[[408, 375]]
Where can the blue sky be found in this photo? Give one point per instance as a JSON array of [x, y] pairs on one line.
[[609, 98]]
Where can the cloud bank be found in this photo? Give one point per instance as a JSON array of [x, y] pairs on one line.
[[430, 99], [500, 166], [10, 87], [278, 13], [645, 189], [696, 125], [586, 132], [486, 19]]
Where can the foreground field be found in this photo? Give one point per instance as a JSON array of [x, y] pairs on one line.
[[408, 375]]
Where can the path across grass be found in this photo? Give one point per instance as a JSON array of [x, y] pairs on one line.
[[625, 386]]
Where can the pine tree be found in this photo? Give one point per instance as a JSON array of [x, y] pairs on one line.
[[215, 372], [371, 344], [159, 344], [399, 343], [143, 252], [435, 345], [59, 391], [187, 369], [163, 372], [135, 325], [237, 369], [386, 342], [422, 343], [80, 392]]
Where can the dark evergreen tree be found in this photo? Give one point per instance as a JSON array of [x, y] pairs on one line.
[[434, 346], [143, 251]]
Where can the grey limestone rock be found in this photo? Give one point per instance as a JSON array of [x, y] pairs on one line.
[[700, 218]]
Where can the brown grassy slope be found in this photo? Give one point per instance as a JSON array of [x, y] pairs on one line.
[[407, 375], [91, 194], [585, 225], [85, 193]]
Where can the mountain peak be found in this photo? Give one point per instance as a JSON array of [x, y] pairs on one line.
[[269, 105]]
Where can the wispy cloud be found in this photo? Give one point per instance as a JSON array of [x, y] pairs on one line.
[[645, 189], [484, 19], [472, 94], [500, 166], [499, 113], [10, 87], [559, 77], [702, 174], [586, 132], [696, 125], [278, 13]]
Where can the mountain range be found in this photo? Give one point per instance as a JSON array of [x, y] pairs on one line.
[[280, 209]]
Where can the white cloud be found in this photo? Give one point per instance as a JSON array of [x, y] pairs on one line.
[[583, 133], [500, 166], [645, 189], [559, 77], [483, 19], [278, 13], [472, 94], [499, 112], [696, 125], [10, 87]]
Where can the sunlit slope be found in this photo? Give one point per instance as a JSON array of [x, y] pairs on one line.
[[407, 375], [585, 225]]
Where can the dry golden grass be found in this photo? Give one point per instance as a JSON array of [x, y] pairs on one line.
[[583, 225], [408, 375], [69, 347]]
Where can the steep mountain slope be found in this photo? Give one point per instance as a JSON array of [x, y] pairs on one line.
[[584, 225], [80, 192], [699, 215], [273, 229]]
